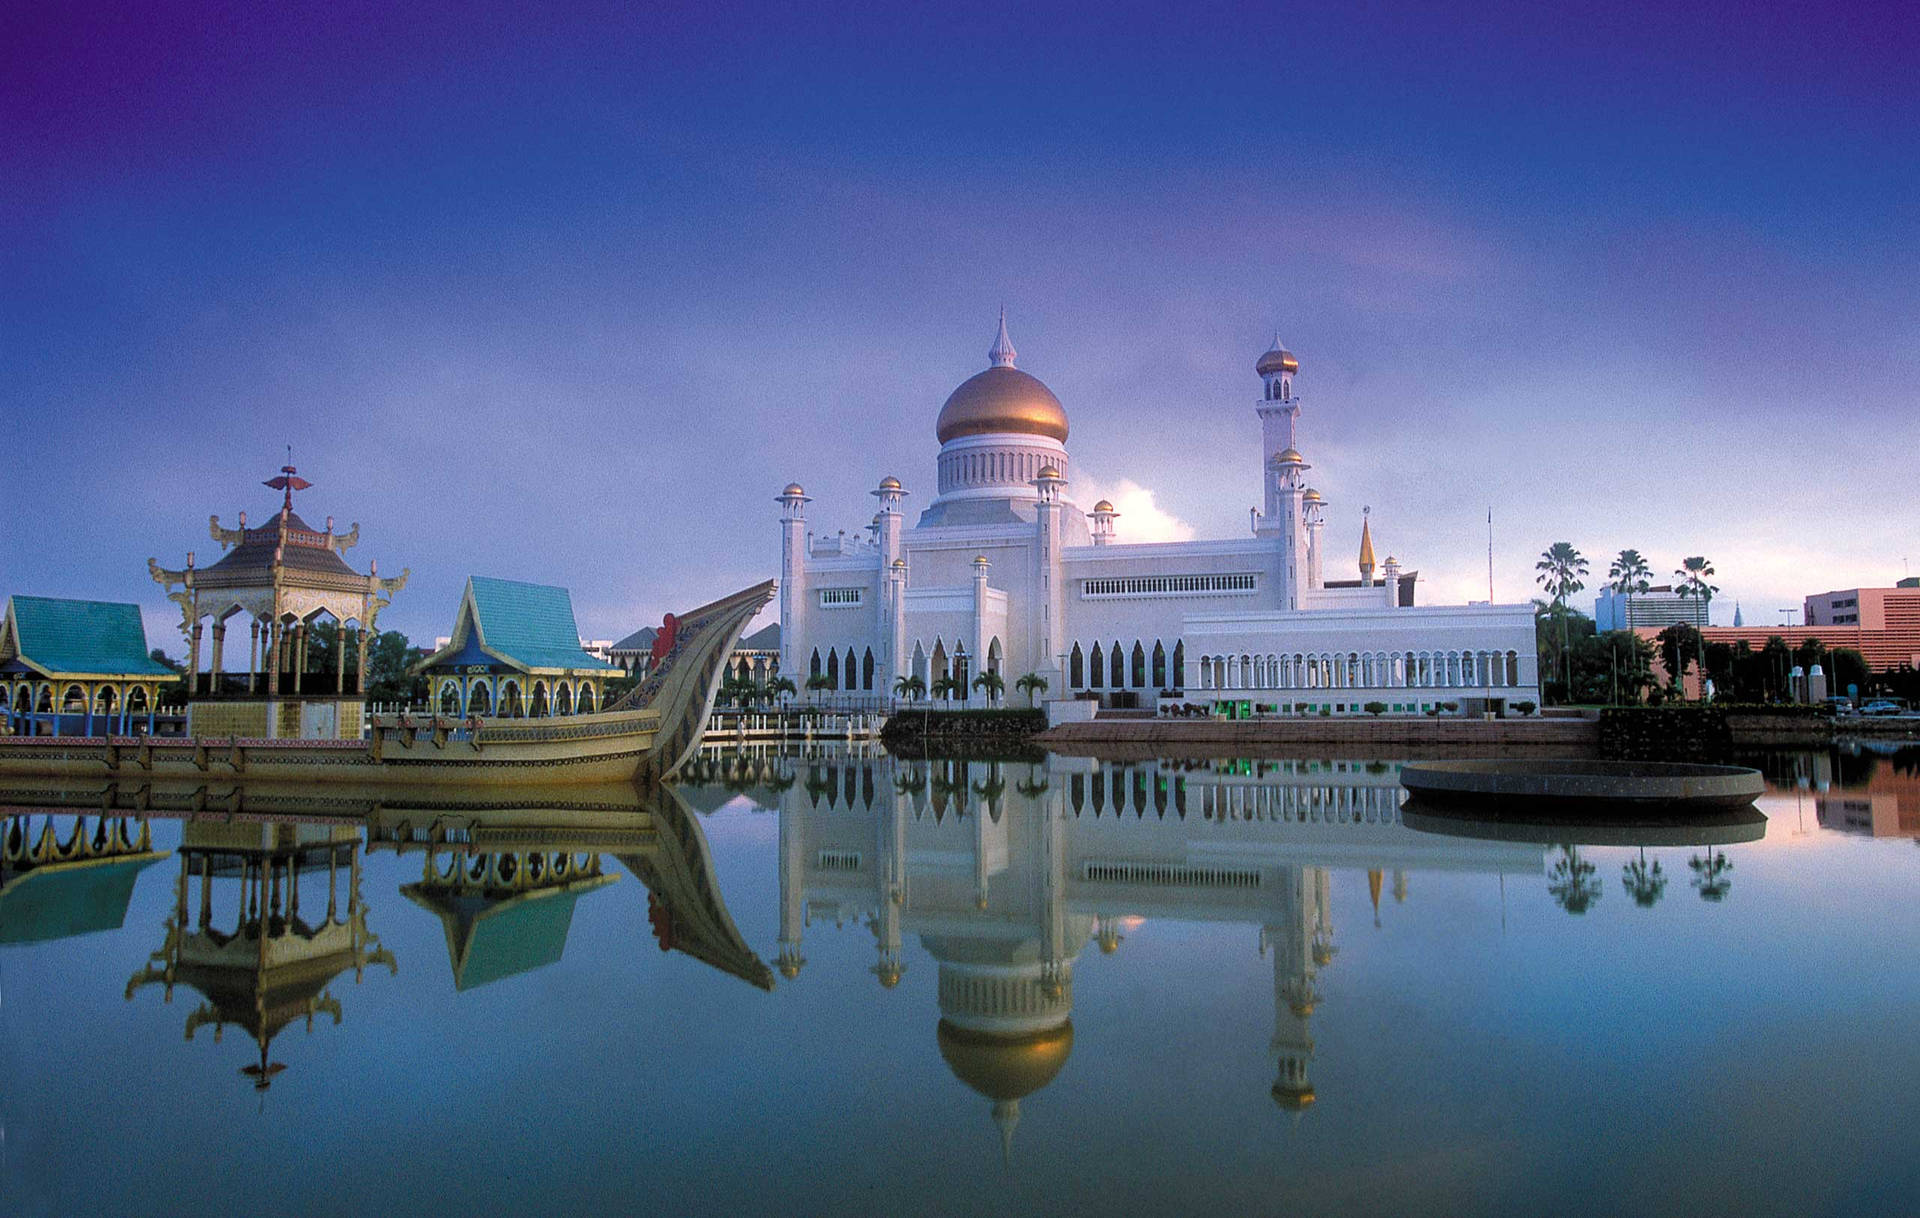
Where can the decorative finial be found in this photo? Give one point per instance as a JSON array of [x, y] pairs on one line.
[[1003, 353]]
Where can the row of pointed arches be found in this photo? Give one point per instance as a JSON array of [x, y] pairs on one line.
[[1363, 670], [1116, 666], [106, 705], [856, 670], [514, 698]]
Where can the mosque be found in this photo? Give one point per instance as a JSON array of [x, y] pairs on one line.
[[1003, 572]]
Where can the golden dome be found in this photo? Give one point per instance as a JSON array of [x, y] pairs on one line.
[[1005, 1068], [889, 483], [1290, 456], [1002, 400], [1277, 359], [1312, 496], [1103, 506], [793, 488], [1048, 471]]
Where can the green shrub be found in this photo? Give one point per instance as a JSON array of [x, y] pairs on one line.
[[1375, 708], [1523, 706]]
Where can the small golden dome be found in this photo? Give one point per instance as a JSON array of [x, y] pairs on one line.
[[1312, 496], [1002, 400], [1005, 1068], [1048, 471], [889, 483], [1277, 359], [1103, 506], [793, 488], [900, 563], [1290, 456]]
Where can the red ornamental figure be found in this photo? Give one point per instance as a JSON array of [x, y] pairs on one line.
[[663, 640], [660, 918]]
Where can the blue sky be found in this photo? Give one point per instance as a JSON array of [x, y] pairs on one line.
[[569, 296]]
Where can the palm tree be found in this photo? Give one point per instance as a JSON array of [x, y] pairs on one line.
[[1562, 570], [817, 682], [910, 687], [1710, 875], [781, 687], [943, 687], [1032, 685], [992, 684], [1630, 576], [1643, 883], [1692, 576], [1572, 882]]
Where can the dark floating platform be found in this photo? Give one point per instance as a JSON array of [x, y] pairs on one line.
[[1715, 827], [1640, 792]]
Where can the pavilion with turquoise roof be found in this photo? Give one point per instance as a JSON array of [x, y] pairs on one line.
[[515, 651], [77, 666]]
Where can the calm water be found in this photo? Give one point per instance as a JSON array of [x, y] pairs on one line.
[[849, 985]]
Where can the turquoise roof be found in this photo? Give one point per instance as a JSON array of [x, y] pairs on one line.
[[529, 625], [96, 637], [57, 901]]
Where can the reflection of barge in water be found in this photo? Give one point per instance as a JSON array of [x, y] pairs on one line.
[[648, 734]]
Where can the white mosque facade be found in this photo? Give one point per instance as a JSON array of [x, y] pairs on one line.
[[1003, 571]]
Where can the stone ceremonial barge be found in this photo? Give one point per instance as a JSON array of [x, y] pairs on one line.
[[647, 735]]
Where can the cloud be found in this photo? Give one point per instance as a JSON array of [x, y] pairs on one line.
[[1138, 518]]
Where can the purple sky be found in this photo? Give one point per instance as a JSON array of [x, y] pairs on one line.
[[569, 298]]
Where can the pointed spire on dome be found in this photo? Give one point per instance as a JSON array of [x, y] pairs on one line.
[[1002, 353]]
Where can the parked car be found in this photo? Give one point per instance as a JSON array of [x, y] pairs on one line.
[[1883, 707], [1838, 706]]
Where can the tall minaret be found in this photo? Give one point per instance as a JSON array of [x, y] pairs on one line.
[[890, 629], [1315, 508], [793, 888], [1284, 516], [1048, 605], [1294, 994], [793, 576]]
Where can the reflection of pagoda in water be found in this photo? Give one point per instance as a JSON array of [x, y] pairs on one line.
[[57, 881], [506, 911], [267, 934], [1005, 872]]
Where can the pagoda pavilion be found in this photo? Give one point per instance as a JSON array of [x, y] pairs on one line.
[[280, 579], [77, 666]]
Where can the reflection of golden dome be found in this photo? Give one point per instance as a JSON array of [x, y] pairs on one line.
[[1002, 400], [1322, 956], [1103, 506], [1290, 456], [1292, 1100], [889, 975], [789, 969], [1109, 944], [1302, 1009], [1277, 359], [1005, 1068]]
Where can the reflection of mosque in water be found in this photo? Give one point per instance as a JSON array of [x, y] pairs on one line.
[[278, 917], [1006, 871]]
